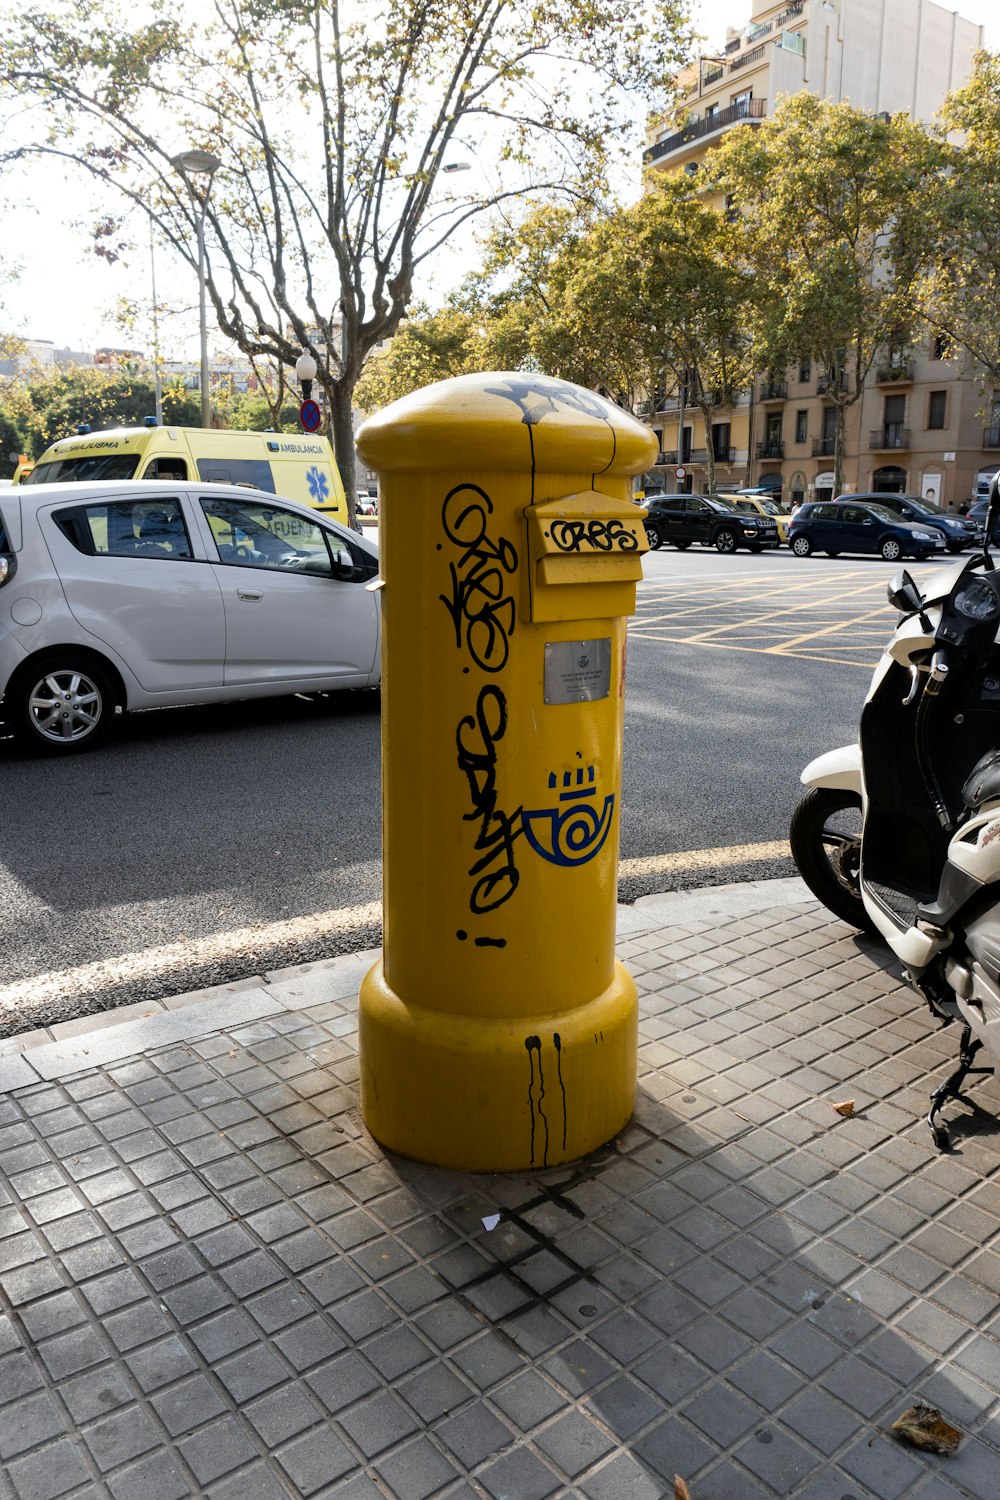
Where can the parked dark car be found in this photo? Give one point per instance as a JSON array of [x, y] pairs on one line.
[[709, 519], [833, 527], [958, 532], [977, 515]]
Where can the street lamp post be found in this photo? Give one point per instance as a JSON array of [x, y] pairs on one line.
[[190, 164]]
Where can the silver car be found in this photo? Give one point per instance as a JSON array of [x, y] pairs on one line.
[[135, 594]]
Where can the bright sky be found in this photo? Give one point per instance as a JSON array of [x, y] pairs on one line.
[[67, 295]]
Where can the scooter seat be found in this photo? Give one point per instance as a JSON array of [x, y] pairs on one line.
[[983, 781]]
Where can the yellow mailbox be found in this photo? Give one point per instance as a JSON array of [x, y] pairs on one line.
[[498, 1031]]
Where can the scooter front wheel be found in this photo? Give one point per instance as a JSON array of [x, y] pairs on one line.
[[825, 835]]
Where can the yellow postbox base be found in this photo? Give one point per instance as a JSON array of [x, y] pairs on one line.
[[482, 1094]]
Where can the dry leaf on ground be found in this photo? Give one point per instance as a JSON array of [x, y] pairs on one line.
[[924, 1427], [845, 1108], [681, 1491]]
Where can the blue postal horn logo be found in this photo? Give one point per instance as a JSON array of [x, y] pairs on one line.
[[573, 832]]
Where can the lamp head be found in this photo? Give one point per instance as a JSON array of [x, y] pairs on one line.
[[196, 161], [306, 367]]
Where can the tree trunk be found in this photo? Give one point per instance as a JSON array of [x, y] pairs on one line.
[[838, 449], [706, 416], [342, 437]]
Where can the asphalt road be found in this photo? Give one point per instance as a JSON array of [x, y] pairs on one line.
[[207, 845]]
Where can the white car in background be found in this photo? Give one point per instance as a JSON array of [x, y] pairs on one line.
[[141, 594]]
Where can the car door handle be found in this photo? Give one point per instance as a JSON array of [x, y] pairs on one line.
[[251, 596]]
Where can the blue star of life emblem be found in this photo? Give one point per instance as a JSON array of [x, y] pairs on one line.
[[319, 485]]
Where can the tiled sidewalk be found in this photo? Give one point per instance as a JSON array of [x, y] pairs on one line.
[[213, 1282]]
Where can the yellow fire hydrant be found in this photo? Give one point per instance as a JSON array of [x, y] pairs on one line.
[[498, 1032]]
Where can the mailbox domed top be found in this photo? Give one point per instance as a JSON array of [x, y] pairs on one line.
[[511, 421]]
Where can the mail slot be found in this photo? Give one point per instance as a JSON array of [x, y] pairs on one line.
[[498, 1031], [586, 555]]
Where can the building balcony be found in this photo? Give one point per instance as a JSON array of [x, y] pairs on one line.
[[757, 55], [991, 437], [896, 372], [722, 456], [771, 448], [890, 436], [665, 457], [696, 130], [827, 383], [824, 447], [788, 14], [774, 390]]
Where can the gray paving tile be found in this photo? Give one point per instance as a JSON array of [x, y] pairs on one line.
[[724, 1268]]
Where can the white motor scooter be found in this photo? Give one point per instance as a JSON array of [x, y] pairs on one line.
[[900, 833]]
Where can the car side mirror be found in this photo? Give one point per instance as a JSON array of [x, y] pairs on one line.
[[903, 594], [344, 567]]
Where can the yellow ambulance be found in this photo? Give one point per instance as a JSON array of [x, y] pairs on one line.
[[300, 466]]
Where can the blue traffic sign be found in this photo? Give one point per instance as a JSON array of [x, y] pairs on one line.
[[310, 416]]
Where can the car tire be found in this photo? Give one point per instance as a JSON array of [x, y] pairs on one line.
[[890, 550], [827, 858], [725, 539], [801, 546], [63, 703], [833, 554], [681, 546], [754, 547], [654, 538]]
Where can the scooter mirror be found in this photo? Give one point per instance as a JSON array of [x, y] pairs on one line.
[[904, 594]]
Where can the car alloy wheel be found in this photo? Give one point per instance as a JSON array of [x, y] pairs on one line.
[[802, 546], [64, 703], [654, 538], [725, 540], [891, 550]]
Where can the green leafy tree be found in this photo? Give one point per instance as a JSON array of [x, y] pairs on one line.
[[428, 347], [831, 203], [333, 131], [961, 291], [61, 402], [625, 301], [667, 292]]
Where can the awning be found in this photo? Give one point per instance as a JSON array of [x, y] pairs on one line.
[[769, 482]]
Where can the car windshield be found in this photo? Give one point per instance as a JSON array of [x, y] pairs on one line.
[[722, 502], [884, 513], [99, 466], [926, 507], [769, 507]]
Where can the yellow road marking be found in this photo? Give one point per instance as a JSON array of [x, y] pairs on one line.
[[704, 859], [843, 625], [680, 640], [25, 995]]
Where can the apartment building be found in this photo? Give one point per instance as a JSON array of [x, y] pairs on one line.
[[918, 426]]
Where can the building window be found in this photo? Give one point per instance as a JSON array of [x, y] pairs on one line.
[[941, 346], [741, 102], [936, 408], [805, 372], [720, 441]]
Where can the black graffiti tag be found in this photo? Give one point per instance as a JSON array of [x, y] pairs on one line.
[[479, 605], [495, 873], [602, 536]]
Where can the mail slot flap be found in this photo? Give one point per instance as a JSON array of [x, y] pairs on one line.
[[588, 524], [585, 569]]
